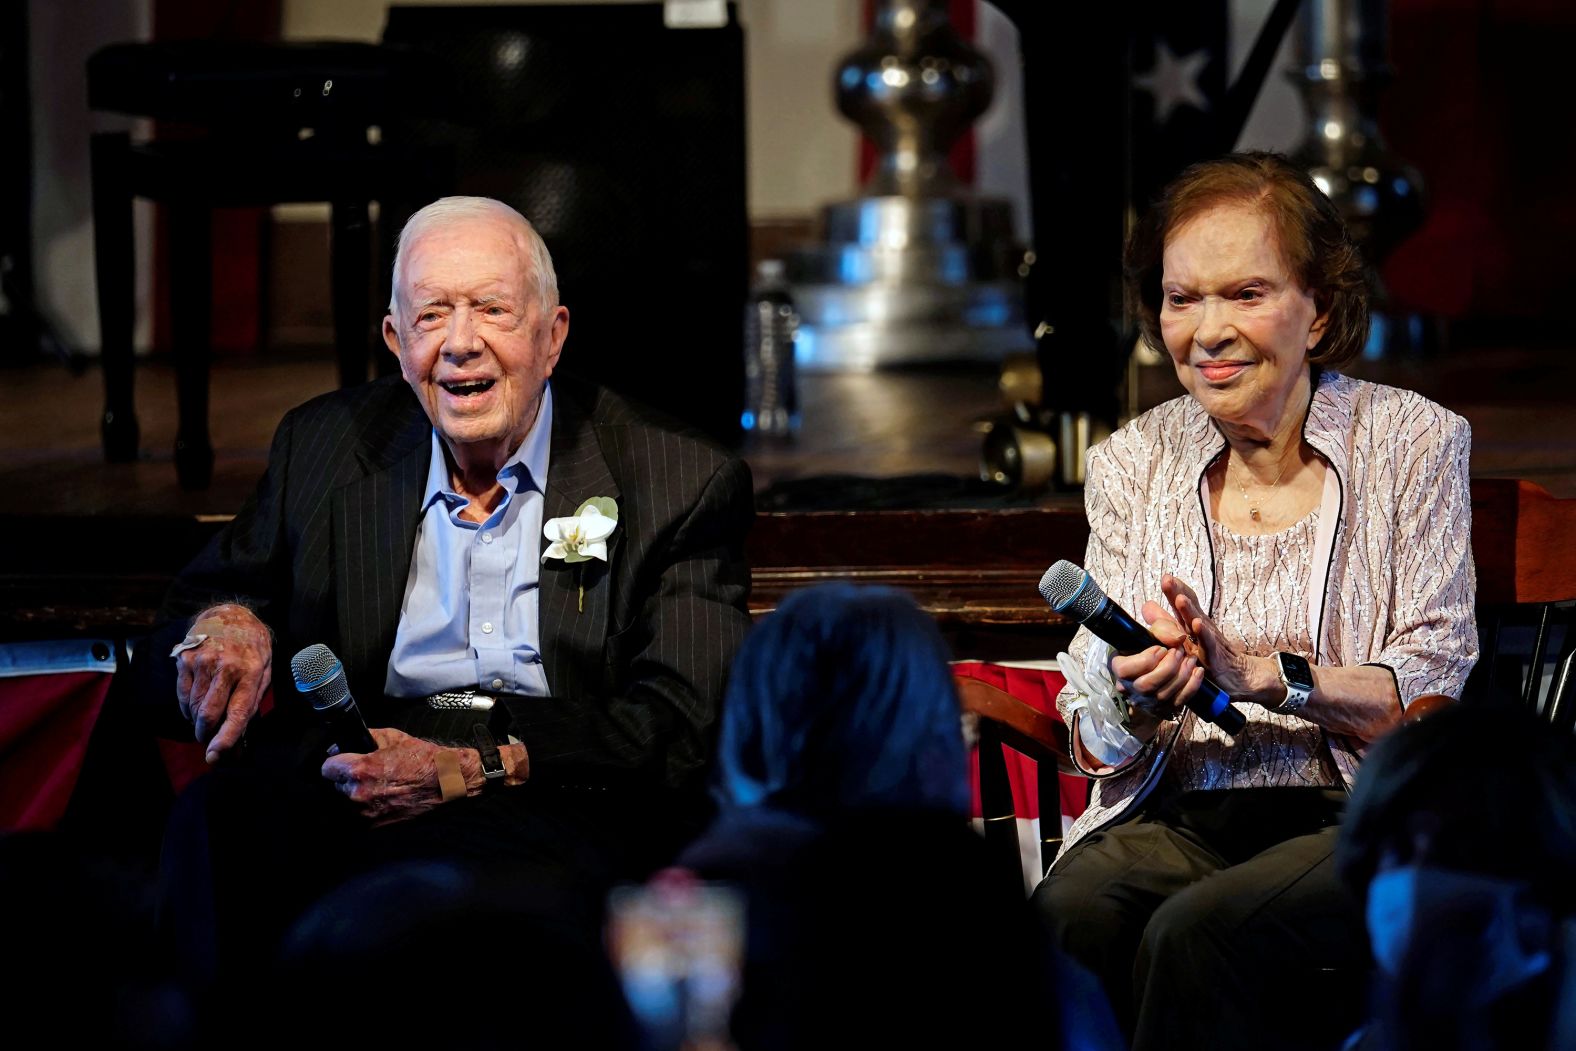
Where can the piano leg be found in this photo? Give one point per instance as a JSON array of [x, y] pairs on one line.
[[114, 264]]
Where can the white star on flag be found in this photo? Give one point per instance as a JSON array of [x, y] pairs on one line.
[[1173, 81]]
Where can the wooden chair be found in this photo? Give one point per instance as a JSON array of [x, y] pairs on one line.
[[1524, 545], [1426, 705], [1003, 719]]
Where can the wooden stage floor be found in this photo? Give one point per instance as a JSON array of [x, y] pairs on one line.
[[1521, 403]]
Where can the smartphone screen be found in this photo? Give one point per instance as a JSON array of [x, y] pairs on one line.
[[678, 945]]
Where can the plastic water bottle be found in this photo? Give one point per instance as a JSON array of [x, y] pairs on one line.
[[771, 399]]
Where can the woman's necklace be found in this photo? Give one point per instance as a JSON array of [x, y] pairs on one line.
[[1253, 508]]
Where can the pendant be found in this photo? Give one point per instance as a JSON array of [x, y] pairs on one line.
[[1253, 513]]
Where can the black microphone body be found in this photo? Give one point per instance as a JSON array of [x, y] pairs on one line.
[[319, 675], [1070, 590], [347, 728]]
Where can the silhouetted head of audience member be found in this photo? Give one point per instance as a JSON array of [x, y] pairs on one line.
[[435, 954], [875, 917], [843, 700], [1461, 838]]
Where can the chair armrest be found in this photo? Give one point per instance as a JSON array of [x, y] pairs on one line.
[[1426, 705], [1041, 737]]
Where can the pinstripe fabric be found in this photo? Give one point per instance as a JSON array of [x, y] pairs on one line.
[[1392, 577], [323, 548]]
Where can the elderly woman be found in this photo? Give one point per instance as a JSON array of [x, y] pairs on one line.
[[1303, 538]]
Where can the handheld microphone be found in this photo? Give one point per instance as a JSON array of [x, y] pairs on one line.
[[319, 675], [1072, 591]]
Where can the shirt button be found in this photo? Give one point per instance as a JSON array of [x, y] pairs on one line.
[[497, 684], [487, 628], [486, 538]]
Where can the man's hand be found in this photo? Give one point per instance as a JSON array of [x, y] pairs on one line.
[[399, 780], [220, 683]]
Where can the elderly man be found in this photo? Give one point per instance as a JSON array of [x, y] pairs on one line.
[[406, 526]]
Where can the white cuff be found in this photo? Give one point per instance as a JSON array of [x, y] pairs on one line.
[[1100, 729]]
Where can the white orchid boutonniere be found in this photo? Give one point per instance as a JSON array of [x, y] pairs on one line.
[[583, 536]]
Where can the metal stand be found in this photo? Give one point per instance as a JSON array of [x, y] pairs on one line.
[[916, 269]]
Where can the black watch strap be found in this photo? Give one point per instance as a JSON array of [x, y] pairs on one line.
[[492, 762]]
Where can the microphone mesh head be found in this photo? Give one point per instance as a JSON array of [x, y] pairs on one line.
[[319, 675], [1070, 590]]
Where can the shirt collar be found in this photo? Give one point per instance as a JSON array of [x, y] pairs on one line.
[[526, 467]]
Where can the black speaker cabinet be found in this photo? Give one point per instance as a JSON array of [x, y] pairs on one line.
[[18, 334], [622, 140]]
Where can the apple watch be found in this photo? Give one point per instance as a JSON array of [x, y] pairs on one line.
[[1296, 674], [492, 762]]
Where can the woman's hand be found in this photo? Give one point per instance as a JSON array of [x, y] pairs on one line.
[[1360, 702], [1159, 680], [1245, 677], [395, 783]]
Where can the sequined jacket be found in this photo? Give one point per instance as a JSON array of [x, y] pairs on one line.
[[1393, 548]]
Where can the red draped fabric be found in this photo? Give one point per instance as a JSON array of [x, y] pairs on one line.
[[184, 761], [45, 721], [1038, 688]]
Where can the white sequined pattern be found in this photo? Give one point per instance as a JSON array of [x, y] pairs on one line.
[[1263, 601]]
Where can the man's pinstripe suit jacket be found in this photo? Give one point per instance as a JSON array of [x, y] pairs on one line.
[[323, 547]]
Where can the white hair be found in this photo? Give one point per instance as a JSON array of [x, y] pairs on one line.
[[459, 209]]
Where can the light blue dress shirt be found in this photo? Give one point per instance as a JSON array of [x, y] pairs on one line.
[[470, 613]]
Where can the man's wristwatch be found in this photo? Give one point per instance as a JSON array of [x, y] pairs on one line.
[[1297, 676], [492, 762]]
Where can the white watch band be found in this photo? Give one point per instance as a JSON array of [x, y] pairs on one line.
[[1296, 696]]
